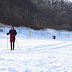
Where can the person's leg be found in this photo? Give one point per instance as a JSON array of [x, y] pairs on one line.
[[13, 45]]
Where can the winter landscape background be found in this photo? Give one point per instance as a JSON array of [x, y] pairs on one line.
[[44, 35]]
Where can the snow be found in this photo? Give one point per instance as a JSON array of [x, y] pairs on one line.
[[36, 54]]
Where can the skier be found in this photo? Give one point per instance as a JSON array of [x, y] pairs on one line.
[[12, 33]]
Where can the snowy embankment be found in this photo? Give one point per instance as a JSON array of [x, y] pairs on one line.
[[35, 54]]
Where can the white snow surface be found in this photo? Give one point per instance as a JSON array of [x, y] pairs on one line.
[[35, 54]]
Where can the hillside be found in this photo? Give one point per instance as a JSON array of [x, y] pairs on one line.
[[17, 12], [37, 14]]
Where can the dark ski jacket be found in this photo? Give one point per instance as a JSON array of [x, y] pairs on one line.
[[12, 33]]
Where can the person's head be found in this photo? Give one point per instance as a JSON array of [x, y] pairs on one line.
[[12, 27]]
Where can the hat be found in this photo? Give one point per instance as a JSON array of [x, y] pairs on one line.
[[12, 26]]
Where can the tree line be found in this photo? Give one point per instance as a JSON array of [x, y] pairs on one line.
[[37, 14]]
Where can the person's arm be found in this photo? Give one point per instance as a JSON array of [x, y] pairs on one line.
[[8, 33], [15, 32]]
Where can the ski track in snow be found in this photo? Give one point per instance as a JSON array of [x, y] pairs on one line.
[[36, 56]]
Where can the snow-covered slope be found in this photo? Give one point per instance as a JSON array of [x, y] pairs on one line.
[[37, 53], [24, 32]]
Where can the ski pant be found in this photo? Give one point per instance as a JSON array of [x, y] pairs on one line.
[[12, 41], [12, 45]]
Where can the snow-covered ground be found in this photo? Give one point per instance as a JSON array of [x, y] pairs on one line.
[[36, 54]]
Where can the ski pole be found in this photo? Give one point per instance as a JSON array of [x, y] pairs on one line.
[[17, 45], [7, 42]]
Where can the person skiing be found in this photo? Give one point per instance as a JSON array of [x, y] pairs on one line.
[[12, 33]]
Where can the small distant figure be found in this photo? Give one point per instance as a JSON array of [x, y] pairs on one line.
[[12, 33]]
